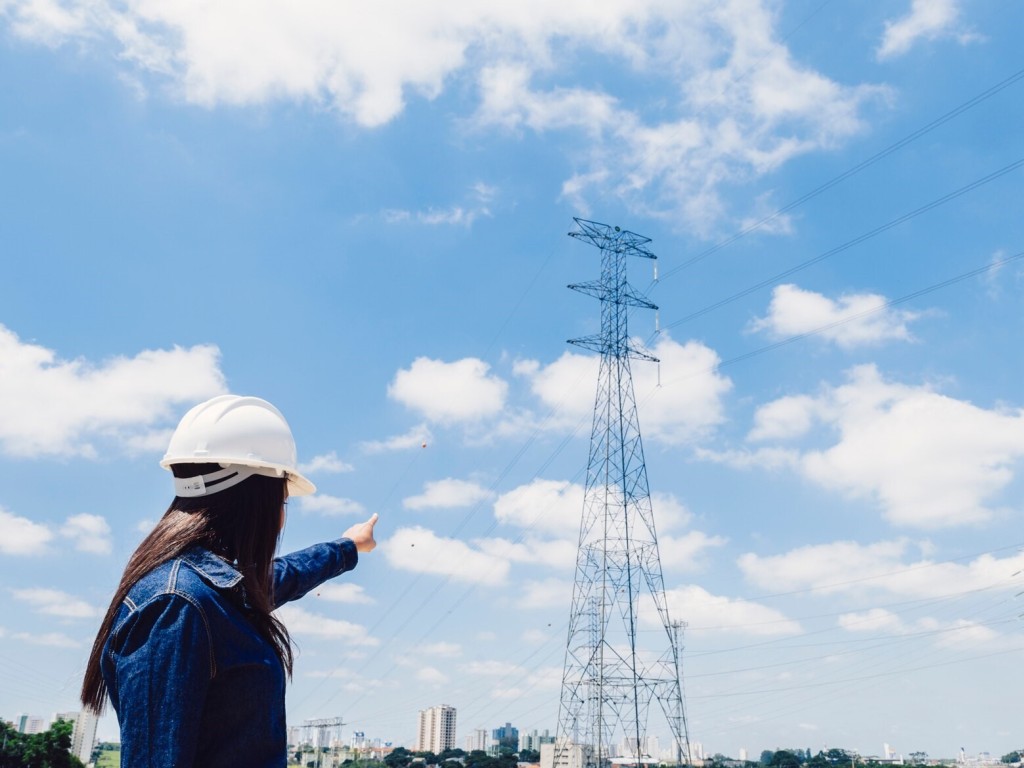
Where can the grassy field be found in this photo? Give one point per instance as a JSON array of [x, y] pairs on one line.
[[109, 759]]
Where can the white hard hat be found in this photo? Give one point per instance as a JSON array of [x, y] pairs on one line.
[[245, 435]]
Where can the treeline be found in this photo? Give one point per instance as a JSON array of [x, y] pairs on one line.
[[49, 749], [400, 757], [832, 758]]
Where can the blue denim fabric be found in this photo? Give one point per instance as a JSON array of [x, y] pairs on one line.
[[192, 682]]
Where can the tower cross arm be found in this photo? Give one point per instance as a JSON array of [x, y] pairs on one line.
[[607, 237], [627, 296], [602, 346], [594, 288]]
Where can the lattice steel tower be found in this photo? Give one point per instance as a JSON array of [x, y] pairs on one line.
[[609, 680]]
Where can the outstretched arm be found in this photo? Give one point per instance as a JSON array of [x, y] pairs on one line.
[[299, 572]]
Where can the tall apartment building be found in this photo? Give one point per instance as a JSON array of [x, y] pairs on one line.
[[478, 741], [437, 729], [30, 724], [83, 738], [506, 738], [533, 739]]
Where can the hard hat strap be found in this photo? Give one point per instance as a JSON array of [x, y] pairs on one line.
[[222, 479]]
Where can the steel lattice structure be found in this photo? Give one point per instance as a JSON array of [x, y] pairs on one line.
[[609, 681]]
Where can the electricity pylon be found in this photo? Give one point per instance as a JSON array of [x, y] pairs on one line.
[[609, 680]]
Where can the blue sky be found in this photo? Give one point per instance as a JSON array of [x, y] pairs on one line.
[[360, 215]]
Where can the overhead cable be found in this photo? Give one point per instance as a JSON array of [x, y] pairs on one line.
[[955, 112]]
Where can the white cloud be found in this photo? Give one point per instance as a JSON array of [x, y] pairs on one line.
[[565, 386], [534, 636], [54, 407], [449, 393], [91, 533], [431, 675], [961, 634], [553, 553], [448, 493], [881, 567], [53, 602], [419, 438], [765, 217], [328, 463], [744, 105], [850, 321], [302, 622], [765, 458], [21, 536], [550, 506], [456, 215], [556, 507], [873, 620], [678, 400], [747, 108], [546, 593], [344, 592], [49, 639], [490, 669], [669, 512], [331, 506], [965, 634], [929, 460], [785, 418], [423, 551], [443, 649], [684, 552], [706, 612], [927, 20]]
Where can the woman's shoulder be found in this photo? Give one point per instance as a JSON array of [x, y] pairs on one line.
[[196, 575]]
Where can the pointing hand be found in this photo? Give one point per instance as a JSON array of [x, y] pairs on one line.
[[362, 534]]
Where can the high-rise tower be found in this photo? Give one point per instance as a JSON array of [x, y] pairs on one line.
[[436, 731], [610, 681]]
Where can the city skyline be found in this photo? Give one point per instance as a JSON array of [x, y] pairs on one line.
[[437, 724], [360, 214]]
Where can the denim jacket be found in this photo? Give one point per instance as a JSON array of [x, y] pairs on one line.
[[192, 682]]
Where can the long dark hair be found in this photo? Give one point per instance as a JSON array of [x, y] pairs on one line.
[[242, 524]]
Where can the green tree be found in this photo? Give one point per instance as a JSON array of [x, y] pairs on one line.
[[49, 749], [399, 757], [784, 759], [1010, 757], [839, 757], [766, 757], [529, 756]]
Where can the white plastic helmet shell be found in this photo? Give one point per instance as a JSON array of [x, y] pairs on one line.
[[236, 431]]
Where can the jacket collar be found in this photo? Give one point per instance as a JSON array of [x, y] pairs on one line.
[[219, 572]]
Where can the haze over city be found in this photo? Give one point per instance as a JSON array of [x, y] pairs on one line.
[[360, 214]]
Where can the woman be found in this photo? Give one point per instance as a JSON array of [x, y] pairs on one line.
[[189, 652]]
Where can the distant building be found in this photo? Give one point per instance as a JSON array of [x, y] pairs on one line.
[[533, 739], [564, 754], [30, 724], [83, 737], [478, 741], [437, 729], [649, 747], [506, 738], [743, 754]]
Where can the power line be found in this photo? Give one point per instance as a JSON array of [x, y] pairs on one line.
[[850, 243], [909, 138], [902, 299]]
